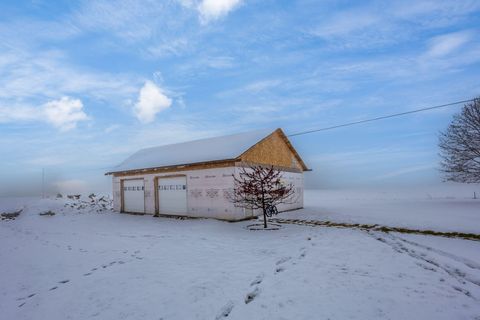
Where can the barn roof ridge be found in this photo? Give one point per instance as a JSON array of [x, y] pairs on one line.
[[217, 148]]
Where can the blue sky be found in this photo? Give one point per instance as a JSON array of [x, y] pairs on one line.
[[84, 84]]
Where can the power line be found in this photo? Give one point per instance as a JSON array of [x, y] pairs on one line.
[[380, 118]]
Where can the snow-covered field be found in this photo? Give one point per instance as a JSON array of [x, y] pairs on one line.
[[80, 264], [439, 210]]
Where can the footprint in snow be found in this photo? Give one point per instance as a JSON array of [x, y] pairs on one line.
[[252, 295], [25, 298], [283, 260], [225, 310], [258, 279], [279, 269], [64, 281]]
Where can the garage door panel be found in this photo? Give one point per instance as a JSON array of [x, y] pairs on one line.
[[172, 195], [134, 196]]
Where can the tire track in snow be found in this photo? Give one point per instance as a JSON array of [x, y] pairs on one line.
[[467, 262], [424, 255]]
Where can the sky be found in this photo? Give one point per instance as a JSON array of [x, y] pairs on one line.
[[84, 84]]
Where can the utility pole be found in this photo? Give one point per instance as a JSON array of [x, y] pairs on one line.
[[43, 183]]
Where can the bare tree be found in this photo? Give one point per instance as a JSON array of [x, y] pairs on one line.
[[460, 145], [261, 187]]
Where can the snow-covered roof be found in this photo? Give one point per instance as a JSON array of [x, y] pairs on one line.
[[197, 151]]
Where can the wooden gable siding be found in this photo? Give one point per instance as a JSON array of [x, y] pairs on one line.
[[273, 150]]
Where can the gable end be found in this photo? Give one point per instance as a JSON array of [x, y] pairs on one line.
[[276, 150]]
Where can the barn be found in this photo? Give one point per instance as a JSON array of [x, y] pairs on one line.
[[193, 178]]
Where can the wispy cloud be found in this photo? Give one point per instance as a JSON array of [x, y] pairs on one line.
[[378, 24], [112, 128], [168, 47], [50, 74], [404, 171], [255, 87], [446, 44], [369, 157], [15, 113], [204, 63], [346, 23], [126, 19], [262, 85]]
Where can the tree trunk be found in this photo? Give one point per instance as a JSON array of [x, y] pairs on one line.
[[264, 209], [264, 218]]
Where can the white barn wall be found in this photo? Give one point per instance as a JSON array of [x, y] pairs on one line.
[[149, 194], [206, 193], [296, 179], [117, 194]]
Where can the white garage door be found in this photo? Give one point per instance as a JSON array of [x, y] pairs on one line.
[[172, 195], [134, 196]]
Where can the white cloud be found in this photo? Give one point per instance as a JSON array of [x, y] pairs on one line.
[[151, 101], [213, 9], [64, 113], [445, 44]]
